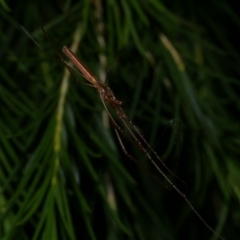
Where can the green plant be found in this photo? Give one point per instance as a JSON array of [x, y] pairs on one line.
[[64, 175]]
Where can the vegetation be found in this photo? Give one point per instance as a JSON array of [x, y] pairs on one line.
[[63, 173]]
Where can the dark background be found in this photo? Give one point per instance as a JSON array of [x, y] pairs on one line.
[[87, 188]]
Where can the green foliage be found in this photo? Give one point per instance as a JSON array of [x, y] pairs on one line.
[[63, 173]]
